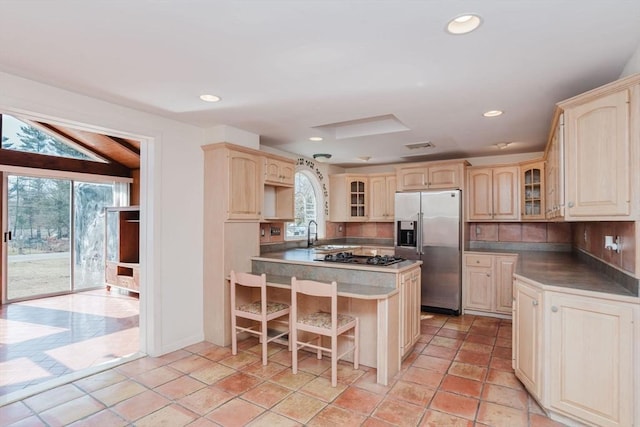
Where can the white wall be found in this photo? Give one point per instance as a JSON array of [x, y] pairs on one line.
[[172, 202], [633, 64]]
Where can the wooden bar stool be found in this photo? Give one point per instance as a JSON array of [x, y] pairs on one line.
[[261, 311], [331, 325]]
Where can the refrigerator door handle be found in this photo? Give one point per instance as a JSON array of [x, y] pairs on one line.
[[419, 231]]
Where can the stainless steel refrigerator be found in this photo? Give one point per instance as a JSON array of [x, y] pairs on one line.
[[428, 228]]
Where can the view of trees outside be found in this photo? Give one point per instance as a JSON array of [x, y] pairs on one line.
[[39, 217], [305, 207], [19, 136]]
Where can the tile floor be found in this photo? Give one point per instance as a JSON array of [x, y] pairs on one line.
[[459, 375], [48, 338]]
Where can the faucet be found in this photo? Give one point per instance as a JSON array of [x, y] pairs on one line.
[[309, 242]]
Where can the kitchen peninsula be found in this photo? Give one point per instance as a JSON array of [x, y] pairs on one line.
[[386, 299]]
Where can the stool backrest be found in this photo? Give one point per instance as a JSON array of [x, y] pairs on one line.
[[317, 289], [252, 281]]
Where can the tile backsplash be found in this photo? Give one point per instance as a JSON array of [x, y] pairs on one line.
[[589, 237], [525, 232]]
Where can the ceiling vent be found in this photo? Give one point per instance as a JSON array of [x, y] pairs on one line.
[[418, 145]]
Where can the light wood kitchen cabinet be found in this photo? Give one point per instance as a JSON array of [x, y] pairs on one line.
[[602, 151], [348, 199], [409, 286], [236, 174], [493, 194], [279, 171], [527, 336], [574, 352], [487, 282], [382, 197], [278, 195], [591, 359], [532, 190], [554, 171], [431, 176]]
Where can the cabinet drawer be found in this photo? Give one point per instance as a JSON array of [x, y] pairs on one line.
[[477, 260], [127, 282]]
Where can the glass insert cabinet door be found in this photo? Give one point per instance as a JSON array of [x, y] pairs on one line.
[[357, 197], [532, 177]]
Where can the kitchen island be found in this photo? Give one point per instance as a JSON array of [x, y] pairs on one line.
[[386, 299]]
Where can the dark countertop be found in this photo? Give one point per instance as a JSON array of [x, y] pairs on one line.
[[309, 257], [564, 270]]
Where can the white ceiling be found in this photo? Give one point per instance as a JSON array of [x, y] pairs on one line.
[[285, 68]]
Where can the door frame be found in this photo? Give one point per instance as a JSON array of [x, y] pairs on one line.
[[150, 334]]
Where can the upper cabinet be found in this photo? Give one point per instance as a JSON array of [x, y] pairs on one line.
[[493, 193], [602, 151], [554, 171], [349, 198], [532, 190], [431, 176], [382, 197], [237, 187], [279, 172]]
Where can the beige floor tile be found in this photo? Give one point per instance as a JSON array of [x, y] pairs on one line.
[[51, 398], [71, 411], [506, 396], [101, 380], [290, 380], [205, 400], [321, 388], [267, 394], [190, 363], [335, 416], [314, 366], [170, 416], [265, 372], [212, 373], [271, 419], [158, 376], [180, 387], [495, 415], [440, 419], [118, 392], [299, 407], [32, 421], [240, 360]]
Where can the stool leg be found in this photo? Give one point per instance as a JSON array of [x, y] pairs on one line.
[[318, 342], [234, 335], [264, 342], [334, 361], [293, 340], [356, 353]]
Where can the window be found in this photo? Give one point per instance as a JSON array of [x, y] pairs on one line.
[[31, 137], [305, 207]]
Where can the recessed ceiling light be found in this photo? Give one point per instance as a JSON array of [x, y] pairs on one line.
[[492, 113], [210, 98], [464, 24], [502, 145], [364, 158], [316, 138]]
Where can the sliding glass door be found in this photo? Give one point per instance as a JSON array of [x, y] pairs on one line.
[[55, 235], [39, 220]]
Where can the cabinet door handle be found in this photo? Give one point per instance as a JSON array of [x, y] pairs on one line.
[[534, 302], [554, 308], [488, 274]]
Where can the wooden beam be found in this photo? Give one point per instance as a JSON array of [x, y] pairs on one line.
[[42, 161]]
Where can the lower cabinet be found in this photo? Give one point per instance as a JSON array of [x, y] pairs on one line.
[[574, 353], [487, 282], [409, 286]]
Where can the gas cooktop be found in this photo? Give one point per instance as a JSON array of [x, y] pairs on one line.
[[349, 257]]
